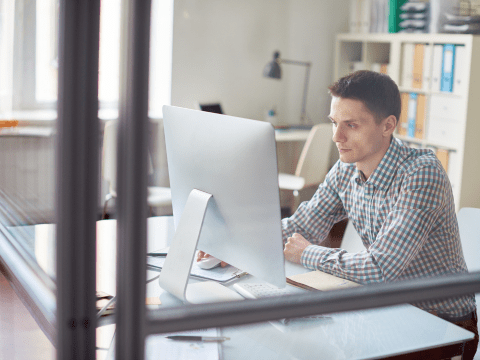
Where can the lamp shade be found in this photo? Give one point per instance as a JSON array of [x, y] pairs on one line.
[[272, 69]]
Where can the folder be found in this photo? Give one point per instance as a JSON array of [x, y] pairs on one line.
[[417, 72], [407, 65], [412, 114], [420, 117], [436, 67], [448, 65], [442, 155], [403, 120], [384, 68], [375, 16], [366, 16], [459, 78], [394, 15], [427, 67], [354, 17], [319, 280]]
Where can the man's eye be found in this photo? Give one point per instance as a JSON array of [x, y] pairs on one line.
[[352, 126]]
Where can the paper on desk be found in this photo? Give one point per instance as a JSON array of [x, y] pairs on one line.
[[218, 274], [319, 280], [158, 347]]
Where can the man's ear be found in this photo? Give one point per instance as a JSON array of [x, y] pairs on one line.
[[389, 125]]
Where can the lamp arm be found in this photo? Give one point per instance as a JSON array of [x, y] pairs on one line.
[[303, 118], [295, 62]]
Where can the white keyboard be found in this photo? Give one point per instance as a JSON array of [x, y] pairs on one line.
[[260, 290]]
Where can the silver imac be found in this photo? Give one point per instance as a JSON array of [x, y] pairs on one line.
[[225, 197]]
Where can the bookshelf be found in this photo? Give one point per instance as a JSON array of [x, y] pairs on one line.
[[451, 125]]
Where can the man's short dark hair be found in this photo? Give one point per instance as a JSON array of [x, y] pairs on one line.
[[377, 91]]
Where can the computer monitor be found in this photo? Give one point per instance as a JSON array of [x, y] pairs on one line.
[[211, 107], [235, 161]]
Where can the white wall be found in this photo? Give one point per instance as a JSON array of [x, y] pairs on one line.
[[313, 25], [220, 48]]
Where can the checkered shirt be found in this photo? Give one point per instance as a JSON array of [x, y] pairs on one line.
[[405, 215]]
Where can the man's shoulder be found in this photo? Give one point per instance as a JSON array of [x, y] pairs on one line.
[[411, 160], [422, 165]]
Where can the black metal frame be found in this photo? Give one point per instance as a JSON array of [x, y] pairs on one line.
[[77, 178], [132, 172]]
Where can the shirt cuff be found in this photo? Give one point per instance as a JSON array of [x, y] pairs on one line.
[[313, 255]]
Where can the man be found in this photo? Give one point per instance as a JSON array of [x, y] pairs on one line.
[[399, 200]]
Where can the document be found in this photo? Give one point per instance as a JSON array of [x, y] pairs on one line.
[[218, 274], [158, 347]]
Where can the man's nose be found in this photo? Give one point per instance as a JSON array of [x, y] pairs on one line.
[[338, 135]]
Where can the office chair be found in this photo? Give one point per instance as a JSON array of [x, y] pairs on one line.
[[157, 196], [351, 241], [313, 163], [469, 228]]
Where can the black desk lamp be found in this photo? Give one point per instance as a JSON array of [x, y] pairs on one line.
[[273, 70]]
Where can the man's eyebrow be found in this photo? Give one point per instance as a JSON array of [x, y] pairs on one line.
[[346, 121]]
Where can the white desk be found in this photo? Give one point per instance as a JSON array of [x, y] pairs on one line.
[[288, 135], [365, 334], [368, 334]]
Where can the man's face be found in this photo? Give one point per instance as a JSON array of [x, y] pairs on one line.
[[358, 137]]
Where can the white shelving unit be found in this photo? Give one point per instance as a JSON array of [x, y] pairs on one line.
[[463, 107]]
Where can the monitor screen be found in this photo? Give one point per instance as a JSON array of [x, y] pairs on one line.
[[233, 159]]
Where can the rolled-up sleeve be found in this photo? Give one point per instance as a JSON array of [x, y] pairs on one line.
[[314, 219]]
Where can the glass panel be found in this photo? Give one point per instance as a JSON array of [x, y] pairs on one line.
[[28, 91]]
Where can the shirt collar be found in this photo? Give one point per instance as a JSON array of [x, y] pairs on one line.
[[383, 175]]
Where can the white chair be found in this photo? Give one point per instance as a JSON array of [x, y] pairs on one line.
[[157, 196], [351, 241], [313, 163], [469, 228]]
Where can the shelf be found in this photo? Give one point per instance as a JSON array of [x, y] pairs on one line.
[[424, 143], [450, 117]]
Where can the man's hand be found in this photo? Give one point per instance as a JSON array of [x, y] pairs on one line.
[[294, 248], [202, 255]]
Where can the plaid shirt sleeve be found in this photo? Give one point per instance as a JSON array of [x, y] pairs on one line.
[[314, 219], [402, 234]]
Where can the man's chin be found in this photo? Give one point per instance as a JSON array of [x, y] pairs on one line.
[[347, 159]]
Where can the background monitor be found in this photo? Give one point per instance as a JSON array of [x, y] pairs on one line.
[[212, 107], [235, 160]]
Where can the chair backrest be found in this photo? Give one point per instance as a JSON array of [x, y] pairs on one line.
[[109, 156], [314, 160], [469, 228]]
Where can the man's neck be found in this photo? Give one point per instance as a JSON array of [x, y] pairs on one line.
[[367, 168]]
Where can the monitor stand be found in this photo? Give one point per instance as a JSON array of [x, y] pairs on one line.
[[178, 263]]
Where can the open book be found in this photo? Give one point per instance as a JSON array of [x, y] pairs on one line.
[[318, 280]]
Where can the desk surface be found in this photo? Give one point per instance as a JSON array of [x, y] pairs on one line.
[[286, 135], [365, 334], [352, 335]]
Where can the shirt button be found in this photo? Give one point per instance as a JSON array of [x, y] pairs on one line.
[[367, 197]]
